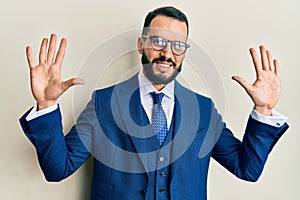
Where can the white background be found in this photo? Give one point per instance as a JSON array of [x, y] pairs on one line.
[[225, 29]]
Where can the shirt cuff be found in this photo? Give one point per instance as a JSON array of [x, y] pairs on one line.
[[34, 113], [276, 119]]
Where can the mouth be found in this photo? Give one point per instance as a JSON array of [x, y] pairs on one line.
[[163, 66]]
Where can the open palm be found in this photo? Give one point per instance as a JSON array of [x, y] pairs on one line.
[[265, 90], [46, 82]]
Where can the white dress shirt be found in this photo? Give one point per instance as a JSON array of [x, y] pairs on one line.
[[168, 100], [276, 119]]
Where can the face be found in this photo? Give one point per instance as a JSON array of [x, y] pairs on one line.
[[162, 66]]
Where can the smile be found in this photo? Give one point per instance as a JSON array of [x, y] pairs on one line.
[[162, 67]]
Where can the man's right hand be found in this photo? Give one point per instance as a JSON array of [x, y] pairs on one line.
[[45, 78]]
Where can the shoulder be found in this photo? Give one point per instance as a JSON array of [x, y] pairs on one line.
[[104, 91], [189, 94], [124, 86]]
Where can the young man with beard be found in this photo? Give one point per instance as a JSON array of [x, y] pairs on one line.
[[145, 134]]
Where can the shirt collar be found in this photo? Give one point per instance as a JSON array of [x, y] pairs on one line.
[[146, 86]]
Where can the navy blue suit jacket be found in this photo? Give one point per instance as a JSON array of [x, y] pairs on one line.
[[113, 129]]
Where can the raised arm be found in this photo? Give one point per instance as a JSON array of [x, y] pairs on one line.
[[59, 155], [45, 78]]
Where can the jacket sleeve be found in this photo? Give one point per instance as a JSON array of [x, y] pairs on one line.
[[246, 158], [60, 156]]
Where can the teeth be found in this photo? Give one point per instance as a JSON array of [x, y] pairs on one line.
[[163, 65]]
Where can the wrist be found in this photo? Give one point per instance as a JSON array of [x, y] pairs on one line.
[[263, 110], [46, 104]]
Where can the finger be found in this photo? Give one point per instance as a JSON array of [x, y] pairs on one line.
[[247, 86], [73, 81], [29, 56], [255, 60], [52, 47], [264, 58], [61, 52], [270, 61], [42, 55], [277, 68]]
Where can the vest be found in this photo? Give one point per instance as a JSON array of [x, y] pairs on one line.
[[159, 180]]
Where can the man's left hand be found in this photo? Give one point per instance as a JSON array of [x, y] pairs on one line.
[[265, 90]]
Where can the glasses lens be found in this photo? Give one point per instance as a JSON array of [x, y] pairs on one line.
[[158, 43], [178, 47]]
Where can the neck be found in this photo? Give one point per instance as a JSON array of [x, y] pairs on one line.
[[159, 87]]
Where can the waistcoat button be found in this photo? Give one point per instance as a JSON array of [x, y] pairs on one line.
[[161, 159], [163, 174], [143, 192], [161, 190]]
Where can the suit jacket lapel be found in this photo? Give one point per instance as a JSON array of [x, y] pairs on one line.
[[135, 122], [186, 118]]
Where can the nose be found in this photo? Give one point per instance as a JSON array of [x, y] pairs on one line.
[[167, 51]]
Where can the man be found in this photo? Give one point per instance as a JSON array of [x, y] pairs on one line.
[[150, 137]]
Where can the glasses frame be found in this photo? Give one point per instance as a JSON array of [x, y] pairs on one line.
[[151, 37]]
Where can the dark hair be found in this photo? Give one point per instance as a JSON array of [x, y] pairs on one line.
[[167, 11]]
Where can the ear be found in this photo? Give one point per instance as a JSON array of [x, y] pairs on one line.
[[140, 45]]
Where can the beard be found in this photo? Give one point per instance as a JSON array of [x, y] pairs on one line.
[[160, 79]]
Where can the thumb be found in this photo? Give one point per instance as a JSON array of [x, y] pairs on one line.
[[73, 81], [247, 86]]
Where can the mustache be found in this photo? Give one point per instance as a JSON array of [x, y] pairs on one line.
[[164, 59]]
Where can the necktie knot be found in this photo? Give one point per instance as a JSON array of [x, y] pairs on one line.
[[157, 97]]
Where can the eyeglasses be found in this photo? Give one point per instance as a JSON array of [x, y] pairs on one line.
[[159, 43]]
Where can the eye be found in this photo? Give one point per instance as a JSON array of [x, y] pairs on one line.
[[179, 45], [158, 41]]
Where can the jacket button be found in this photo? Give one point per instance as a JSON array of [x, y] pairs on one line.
[[143, 192], [161, 190]]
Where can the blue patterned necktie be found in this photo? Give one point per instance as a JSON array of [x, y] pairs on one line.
[[159, 120]]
